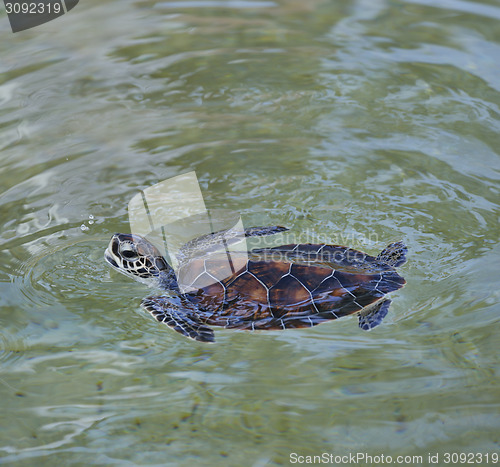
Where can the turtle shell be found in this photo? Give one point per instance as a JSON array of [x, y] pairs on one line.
[[290, 286]]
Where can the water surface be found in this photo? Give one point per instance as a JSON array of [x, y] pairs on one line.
[[358, 122]]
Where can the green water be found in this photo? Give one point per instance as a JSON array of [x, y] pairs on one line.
[[355, 122]]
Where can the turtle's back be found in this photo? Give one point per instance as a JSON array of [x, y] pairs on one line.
[[289, 286]]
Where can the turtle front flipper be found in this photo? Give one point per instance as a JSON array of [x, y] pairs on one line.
[[373, 315], [261, 231], [180, 315], [217, 241]]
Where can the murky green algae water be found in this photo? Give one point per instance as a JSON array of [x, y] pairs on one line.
[[356, 122]]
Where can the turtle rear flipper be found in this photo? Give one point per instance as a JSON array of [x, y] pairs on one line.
[[394, 254], [179, 315], [374, 315]]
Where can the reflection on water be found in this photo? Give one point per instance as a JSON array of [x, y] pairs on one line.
[[350, 122]]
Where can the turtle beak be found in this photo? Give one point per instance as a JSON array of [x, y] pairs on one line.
[[110, 259], [109, 256]]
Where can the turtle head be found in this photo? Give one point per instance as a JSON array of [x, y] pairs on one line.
[[136, 257]]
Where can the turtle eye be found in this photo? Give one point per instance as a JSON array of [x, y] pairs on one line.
[[129, 252]]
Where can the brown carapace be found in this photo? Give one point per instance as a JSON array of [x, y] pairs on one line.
[[290, 286]]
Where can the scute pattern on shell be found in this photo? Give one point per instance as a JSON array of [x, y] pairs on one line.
[[290, 286]]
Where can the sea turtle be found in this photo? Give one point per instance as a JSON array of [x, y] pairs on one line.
[[289, 286]]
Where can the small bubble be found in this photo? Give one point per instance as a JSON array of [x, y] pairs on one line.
[[84, 227], [91, 216]]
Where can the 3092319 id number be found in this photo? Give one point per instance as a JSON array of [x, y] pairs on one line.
[[33, 8], [470, 458]]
